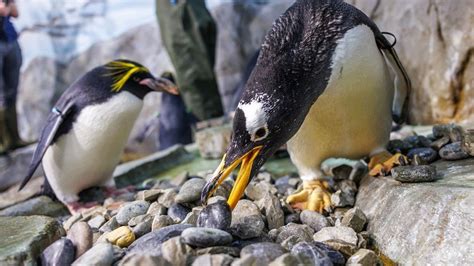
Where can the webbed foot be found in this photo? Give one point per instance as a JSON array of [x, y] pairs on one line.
[[315, 196], [381, 163]]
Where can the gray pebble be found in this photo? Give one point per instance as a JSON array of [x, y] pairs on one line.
[[178, 212], [467, 142], [81, 236], [130, 210], [428, 155], [177, 252], [414, 173], [211, 260], [61, 252], [337, 233], [355, 219], [439, 143], [161, 221], [96, 222], [143, 260], [293, 218], [110, 225], [167, 197], [205, 237], [190, 191], [192, 216], [418, 141], [157, 209], [267, 250], [302, 231], [232, 251], [310, 254], [453, 151], [285, 260], [217, 215], [341, 199], [315, 220], [101, 254], [247, 221], [270, 206], [364, 257]]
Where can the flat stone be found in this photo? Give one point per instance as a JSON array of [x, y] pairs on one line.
[[101, 254], [190, 191], [42, 205], [161, 221], [96, 222], [453, 151], [364, 257], [267, 251], [315, 220], [342, 233], [175, 251], [130, 210], [13, 195], [414, 173], [61, 252], [355, 219], [310, 254], [205, 237], [81, 236], [213, 260], [270, 206], [148, 195], [178, 212], [149, 243], [446, 204], [110, 225], [247, 221], [143, 260], [302, 231], [216, 215]]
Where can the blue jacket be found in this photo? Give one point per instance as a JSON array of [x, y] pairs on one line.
[[7, 31]]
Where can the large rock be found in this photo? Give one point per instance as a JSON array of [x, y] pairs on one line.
[[435, 44], [42, 205], [13, 168], [425, 223], [24, 238]]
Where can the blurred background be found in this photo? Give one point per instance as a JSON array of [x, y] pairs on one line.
[[62, 39]]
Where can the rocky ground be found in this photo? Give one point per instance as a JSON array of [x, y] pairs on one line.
[[163, 223]]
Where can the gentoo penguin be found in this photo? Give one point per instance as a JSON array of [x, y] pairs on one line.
[[88, 127], [323, 84]]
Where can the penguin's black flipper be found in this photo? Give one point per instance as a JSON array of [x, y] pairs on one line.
[[402, 80], [55, 119]]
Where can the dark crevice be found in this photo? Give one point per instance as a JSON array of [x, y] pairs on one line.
[[457, 83], [439, 29]]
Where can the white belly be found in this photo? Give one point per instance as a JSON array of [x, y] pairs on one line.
[[88, 154], [352, 118]]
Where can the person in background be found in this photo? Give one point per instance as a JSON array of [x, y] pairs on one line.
[[10, 62], [189, 35]]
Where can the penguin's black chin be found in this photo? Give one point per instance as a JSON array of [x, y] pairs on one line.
[[160, 84], [225, 169]]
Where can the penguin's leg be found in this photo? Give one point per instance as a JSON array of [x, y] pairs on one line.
[[382, 162], [314, 196], [73, 204]]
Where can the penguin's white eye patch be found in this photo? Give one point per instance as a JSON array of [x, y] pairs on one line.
[[259, 134]]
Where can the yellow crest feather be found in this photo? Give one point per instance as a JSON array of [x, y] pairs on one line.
[[121, 71]]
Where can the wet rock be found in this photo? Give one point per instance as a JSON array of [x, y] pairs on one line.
[[364, 257], [167, 197], [270, 206], [249, 261], [355, 219], [148, 195], [213, 260], [292, 218], [414, 173], [453, 151], [302, 231], [157, 209], [178, 212], [256, 191], [232, 251], [175, 251], [267, 251], [310, 254], [61, 252], [96, 222], [110, 225], [121, 236], [190, 191], [81, 236], [143, 260], [205, 237], [285, 260], [42, 205], [467, 142], [342, 233], [247, 221], [341, 199], [428, 155], [314, 220], [148, 243], [217, 215], [161, 221], [101, 254], [439, 143], [130, 210]]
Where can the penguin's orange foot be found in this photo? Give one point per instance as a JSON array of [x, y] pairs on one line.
[[315, 196], [381, 163], [77, 207]]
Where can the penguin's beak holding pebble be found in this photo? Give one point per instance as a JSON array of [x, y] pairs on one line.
[[160, 84], [225, 169]]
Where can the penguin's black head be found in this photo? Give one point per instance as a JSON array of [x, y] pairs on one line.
[[133, 77]]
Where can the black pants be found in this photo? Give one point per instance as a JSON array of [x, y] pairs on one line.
[[10, 63]]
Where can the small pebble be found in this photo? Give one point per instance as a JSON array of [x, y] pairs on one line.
[[205, 237], [148, 195], [190, 191], [293, 218], [121, 236], [249, 261], [270, 207], [266, 250], [167, 197], [211, 260], [96, 222], [398, 146], [337, 233], [232, 251], [81, 236], [467, 142], [72, 220], [192, 216], [247, 221], [341, 199], [439, 143], [364, 257], [143, 260], [355, 219], [311, 254], [217, 215], [161, 221], [157, 209], [140, 219], [428, 155], [178, 212], [418, 141], [314, 220], [130, 210], [256, 191], [414, 173], [302, 231], [285, 260], [453, 151], [177, 252], [100, 254], [61, 252]]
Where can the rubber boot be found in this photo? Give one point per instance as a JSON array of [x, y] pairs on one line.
[[12, 127], [5, 137]]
